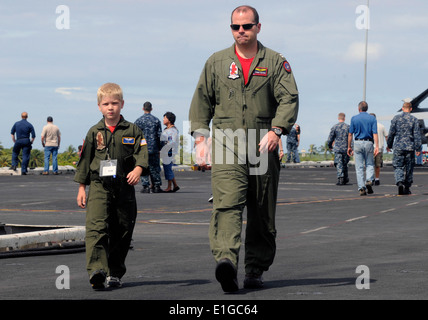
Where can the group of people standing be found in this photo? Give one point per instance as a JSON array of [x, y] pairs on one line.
[[363, 139], [23, 136]]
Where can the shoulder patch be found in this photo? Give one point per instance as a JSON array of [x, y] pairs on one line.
[[143, 142], [286, 66]]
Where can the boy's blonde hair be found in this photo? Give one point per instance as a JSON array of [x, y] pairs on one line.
[[110, 89]]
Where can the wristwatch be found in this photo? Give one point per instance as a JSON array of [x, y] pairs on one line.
[[277, 131]]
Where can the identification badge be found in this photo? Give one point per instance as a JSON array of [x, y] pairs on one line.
[[108, 168]]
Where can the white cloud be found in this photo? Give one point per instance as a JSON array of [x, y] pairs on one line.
[[356, 51], [75, 93]]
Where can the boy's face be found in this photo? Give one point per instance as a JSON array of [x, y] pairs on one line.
[[110, 107]]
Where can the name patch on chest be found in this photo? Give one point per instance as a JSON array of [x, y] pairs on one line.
[[262, 72], [128, 140]]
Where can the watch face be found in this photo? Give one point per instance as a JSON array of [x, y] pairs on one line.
[[277, 131]]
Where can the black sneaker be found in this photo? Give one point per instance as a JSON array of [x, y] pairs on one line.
[[253, 281], [369, 187], [362, 192], [145, 189], [113, 282], [226, 273], [400, 188], [340, 181], [157, 189], [377, 182], [97, 280]]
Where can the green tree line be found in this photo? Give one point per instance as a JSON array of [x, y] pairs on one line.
[[70, 155], [37, 157]]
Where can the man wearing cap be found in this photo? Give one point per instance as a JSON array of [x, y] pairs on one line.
[[51, 139], [23, 129]]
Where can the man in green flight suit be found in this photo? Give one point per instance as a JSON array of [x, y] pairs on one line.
[[249, 93]]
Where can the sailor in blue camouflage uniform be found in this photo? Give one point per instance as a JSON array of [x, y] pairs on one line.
[[405, 139], [152, 129], [339, 136], [293, 140]]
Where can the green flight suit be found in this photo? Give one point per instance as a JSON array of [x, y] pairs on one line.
[[241, 115], [111, 204]]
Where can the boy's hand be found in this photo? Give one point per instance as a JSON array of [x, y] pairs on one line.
[[81, 196], [133, 177]]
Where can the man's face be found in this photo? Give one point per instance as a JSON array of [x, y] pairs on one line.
[[241, 36]]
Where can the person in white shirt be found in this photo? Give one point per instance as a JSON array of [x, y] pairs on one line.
[[382, 136], [51, 139]]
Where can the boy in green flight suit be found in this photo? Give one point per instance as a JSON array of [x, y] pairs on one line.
[[114, 155]]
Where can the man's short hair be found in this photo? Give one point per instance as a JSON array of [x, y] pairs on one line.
[[407, 105], [363, 106], [147, 106], [244, 9], [50, 119]]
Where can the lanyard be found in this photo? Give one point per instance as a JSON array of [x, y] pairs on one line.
[[108, 142]]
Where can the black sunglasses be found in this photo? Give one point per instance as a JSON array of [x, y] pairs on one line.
[[247, 26]]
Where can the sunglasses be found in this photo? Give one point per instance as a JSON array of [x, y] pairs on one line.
[[247, 26]]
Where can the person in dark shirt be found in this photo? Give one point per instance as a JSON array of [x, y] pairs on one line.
[[22, 129], [152, 130], [405, 138]]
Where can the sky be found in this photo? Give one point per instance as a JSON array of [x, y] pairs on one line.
[[54, 55]]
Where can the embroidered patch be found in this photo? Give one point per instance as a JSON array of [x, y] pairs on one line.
[[263, 72], [233, 71], [128, 140], [286, 66], [100, 141], [143, 142]]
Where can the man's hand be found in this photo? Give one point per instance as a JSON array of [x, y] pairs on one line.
[[201, 152], [269, 142], [376, 151]]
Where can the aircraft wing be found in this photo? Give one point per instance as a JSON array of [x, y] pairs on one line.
[[417, 100]]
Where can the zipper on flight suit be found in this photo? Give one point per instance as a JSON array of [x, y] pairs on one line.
[[244, 105]]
